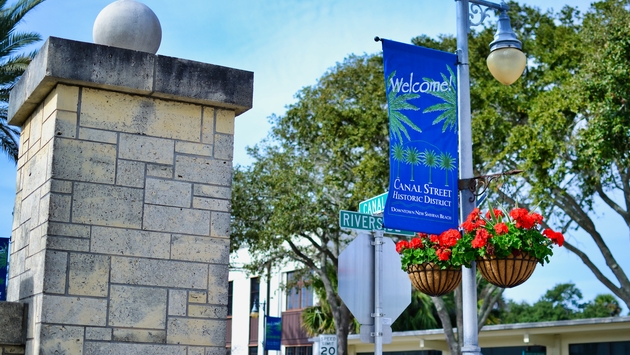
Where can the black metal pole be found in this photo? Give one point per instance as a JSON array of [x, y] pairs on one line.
[[267, 305]]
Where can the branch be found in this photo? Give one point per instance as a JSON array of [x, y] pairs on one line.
[[619, 292], [317, 246], [489, 300], [568, 204], [612, 204], [301, 257], [597, 238], [625, 181]]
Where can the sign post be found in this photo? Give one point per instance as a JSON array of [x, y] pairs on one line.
[[370, 262]]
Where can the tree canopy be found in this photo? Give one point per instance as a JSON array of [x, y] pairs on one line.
[[320, 157], [564, 123], [562, 302]]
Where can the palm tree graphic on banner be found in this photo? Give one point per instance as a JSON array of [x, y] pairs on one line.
[[449, 106], [446, 163], [398, 153], [413, 158], [396, 103], [431, 161]]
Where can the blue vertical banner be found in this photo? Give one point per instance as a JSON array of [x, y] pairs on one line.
[[423, 131], [4, 258], [273, 333]]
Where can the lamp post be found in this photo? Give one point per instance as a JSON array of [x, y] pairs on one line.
[[256, 308], [506, 63]]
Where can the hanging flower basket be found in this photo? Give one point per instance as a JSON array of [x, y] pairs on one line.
[[508, 271], [429, 279], [509, 245], [434, 262]]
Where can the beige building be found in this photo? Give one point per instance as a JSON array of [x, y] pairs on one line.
[[596, 336]]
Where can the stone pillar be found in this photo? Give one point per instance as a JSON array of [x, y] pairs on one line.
[[120, 241]]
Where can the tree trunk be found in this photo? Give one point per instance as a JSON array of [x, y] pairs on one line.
[[453, 345], [341, 313], [490, 296], [342, 323]]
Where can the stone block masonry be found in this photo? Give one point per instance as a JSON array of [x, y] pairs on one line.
[[120, 240]]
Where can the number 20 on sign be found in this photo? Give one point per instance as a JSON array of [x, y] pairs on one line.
[[327, 344]]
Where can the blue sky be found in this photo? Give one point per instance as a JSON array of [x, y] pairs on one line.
[[289, 44]]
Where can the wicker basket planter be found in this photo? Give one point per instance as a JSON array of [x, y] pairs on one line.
[[428, 278], [507, 272]]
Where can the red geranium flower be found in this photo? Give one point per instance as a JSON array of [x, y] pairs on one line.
[[556, 237], [402, 245], [468, 226], [434, 238], [481, 239], [474, 215], [449, 238], [480, 223], [501, 228], [537, 217], [497, 213], [524, 219], [518, 213], [443, 254], [479, 243], [416, 243]]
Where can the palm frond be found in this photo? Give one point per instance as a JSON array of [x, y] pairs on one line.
[[449, 106], [13, 65], [395, 104]]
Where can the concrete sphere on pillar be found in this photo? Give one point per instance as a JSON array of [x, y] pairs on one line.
[[128, 24]]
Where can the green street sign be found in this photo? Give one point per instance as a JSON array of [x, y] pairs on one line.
[[374, 205], [356, 220]]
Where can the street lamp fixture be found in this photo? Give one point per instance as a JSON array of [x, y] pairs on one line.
[[256, 309], [506, 61]]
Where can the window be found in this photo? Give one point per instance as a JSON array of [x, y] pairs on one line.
[[299, 350], [515, 350], [253, 350], [230, 297], [610, 348], [299, 295], [415, 352], [254, 297]]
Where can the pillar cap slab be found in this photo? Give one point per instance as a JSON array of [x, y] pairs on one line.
[[92, 65]]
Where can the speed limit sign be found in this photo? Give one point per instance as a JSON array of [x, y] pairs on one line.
[[327, 345]]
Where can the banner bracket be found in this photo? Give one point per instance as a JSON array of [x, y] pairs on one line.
[[479, 184]]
